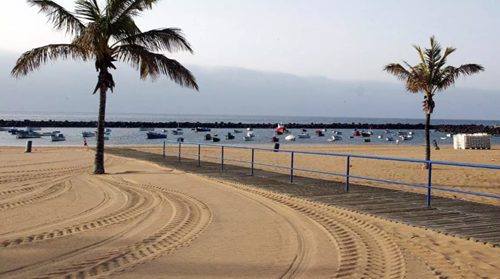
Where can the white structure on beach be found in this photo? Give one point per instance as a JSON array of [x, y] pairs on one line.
[[472, 141]]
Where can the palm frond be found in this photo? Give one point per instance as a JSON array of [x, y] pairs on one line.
[[169, 39], [153, 65], [88, 10], [33, 59], [397, 70], [123, 28], [442, 62], [118, 8], [421, 54], [60, 17], [450, 74]]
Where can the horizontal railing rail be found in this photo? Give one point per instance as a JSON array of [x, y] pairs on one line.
[[347, 175]]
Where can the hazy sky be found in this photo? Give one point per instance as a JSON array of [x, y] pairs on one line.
[[348, 40]]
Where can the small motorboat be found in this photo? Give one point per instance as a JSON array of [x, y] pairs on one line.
[[303, 136], [370, 132], [335, 138], [290, 138], [58, 137], [399, 133], [154, 135], [281, 130], [304, 130], [237, 131], [406, 137], [275, 139], [444, 138], [88, 134], [28, 135], [177, 133], [319, 134], [389, 139], [247, 138], [208, 137], [324, 130], [48, 134], [449, 135], [337, 132], [367, 140], [250, 134], [202, 129], [379, 136], [146, 129], [215, 139], [229, 136]]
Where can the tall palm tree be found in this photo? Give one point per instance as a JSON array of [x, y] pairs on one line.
[[430, 76], [107, 33]]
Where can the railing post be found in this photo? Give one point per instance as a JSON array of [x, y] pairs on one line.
[[179, 151], [222, 159], [429, 184], [253, 153], [199, 154], [291, 169], [347, 172], [163, 149]]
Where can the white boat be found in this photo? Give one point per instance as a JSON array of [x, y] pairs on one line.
[[145, 129], [48, 134], [88, 134], [449, 135], [58, 137], [370, 132], [323, 130], [410, 133], [337, 132], [304, 136], [406, 137], [443, 138], [250, 134], [247, 138], [29, 135], [389, 139], [380, 136], [335, 138], [290, 138], [177, 132]]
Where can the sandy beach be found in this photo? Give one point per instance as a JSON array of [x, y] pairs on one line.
[[141, 220], [461, 178]]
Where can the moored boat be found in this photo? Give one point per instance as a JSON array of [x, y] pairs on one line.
[[319, 133], [177, 133], [281, 129], [57, 137], [202, 129], [215, 139], [28, 135], [367, 140], [389, 139], [290, 138], [208, 137], [275, 139], [229, 136], [155, 135], [247, 138], [303, 136], [406, 137], [88, 134]]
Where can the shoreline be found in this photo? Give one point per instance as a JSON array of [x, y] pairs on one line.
[[466, 128]]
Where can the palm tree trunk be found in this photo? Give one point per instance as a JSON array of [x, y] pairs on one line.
[[99, 155], [427, 138]]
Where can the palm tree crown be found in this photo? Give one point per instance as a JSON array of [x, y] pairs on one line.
[[106, 34], [432, 74]]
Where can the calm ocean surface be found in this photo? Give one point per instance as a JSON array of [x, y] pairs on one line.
[[132, 136]]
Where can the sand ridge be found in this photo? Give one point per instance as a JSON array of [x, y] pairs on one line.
[[145, 221]]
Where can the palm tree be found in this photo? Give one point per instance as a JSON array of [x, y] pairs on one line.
[[430, 76], [106, 34]]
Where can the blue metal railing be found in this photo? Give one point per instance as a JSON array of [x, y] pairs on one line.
[[252, 163]]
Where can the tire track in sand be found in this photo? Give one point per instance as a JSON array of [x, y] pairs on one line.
[[138, 202], [53, 191], [190, 218], [365, 250]]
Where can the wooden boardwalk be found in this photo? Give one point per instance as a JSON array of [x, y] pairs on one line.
[[459, 218]]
